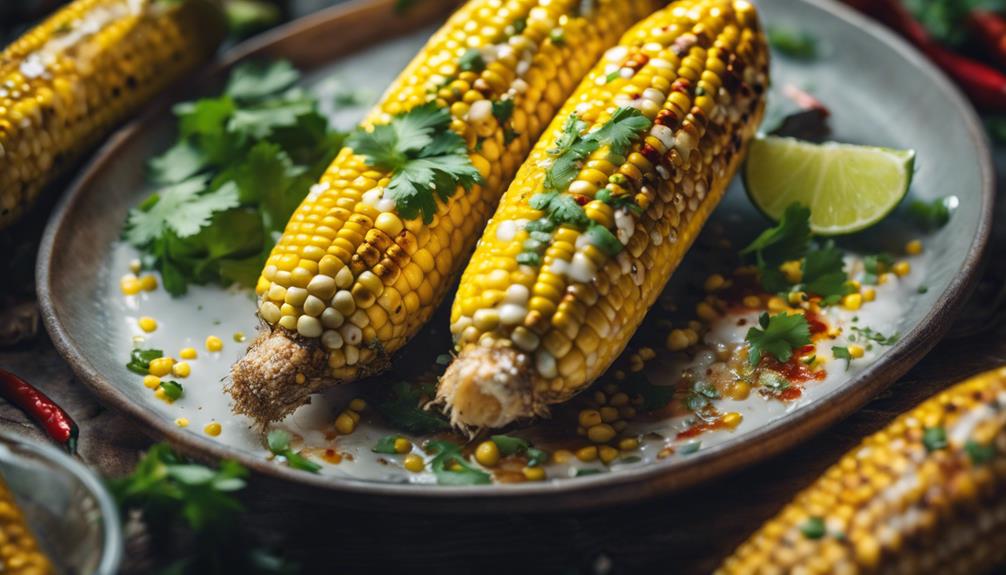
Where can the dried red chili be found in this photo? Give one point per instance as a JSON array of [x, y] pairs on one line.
[[45, 412]]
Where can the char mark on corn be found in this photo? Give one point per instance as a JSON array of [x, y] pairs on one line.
[[352, 278], [592, 227], [65, 83], [925, 495]]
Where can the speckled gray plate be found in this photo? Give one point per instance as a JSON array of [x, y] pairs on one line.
[[880, 91]]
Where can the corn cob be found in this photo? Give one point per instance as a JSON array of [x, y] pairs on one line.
[[551, 297], [19, 553], [924, 495], [70, 79], [353, 278]]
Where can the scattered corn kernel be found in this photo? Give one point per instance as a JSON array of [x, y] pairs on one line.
[[562, 456], [213, 429], [487, 453], [300, 378], [883, 278], [732, 420], [151, 381], [628, 444], [738, 391], [188, 353], [751, 301], [402, 445], [608, 415], [589, 418], [214, 343], [707, 312], [602, 433], [239, 337], [715, 282], [677, 340], [148, 283], [856, 351], [182, 422], [135, 266], [181, 369], [796, 297], [358, 404], [902, 268], [607, 453], [161, 366], [913, 248], [345, 424], [147, 324], [534, 473], [587, 454], [414, 463], [793, 270], [853, 301], [776, 304], [869, 294], [130, 285]]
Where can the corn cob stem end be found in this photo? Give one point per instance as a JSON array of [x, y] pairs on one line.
[[489, 387]]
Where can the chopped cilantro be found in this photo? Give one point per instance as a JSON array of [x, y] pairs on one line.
[[510, 445], [561, 209], [779, 336], [934, 438], [278, 442], [139, 360], [427, 160], [980, 453], [529, 259], [386, 445], [875, 265], [172, 389], [503, 110], [572, 147], [842, 353], [472, 61], [699, 396], [872, 335], [536, 457], [451, 467], [922, 290], [690, 447], [813, 528], [588, 472], [792, 42], [401, 406], [933, 215], [602, 237]]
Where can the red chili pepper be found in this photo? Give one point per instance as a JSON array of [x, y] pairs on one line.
[[985, 85], [57, 423], [990, 29]]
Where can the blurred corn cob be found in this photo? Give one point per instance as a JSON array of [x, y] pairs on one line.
[[20, 553], [353, 278], [550, 298], [925, 495], [69, 80]]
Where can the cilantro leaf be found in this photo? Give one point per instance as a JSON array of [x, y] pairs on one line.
[[625, 126], [571, 130], [183, 208], [451, 467], [510, 445], [779, 336], [139, 360], [472, 61], [259, 80], [792, 42], [934, 438], [931, 216], [842, 353], [278, 442], [824, 272], [386, 445], [572, 148], [179, 163], [786, 241], [561, 209]]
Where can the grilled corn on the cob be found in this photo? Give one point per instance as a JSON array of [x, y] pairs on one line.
[[925, 495], [20, 553], [353, 277], [586, 237], [70, 79]]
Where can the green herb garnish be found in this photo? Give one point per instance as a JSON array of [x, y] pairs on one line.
[[813, 528], [278, 441], [932, 215], [842, 353], [789, 240], [386, 445], [139, 360], [934, 438], [588, 472], [510, 445], [472, 61], [690, 447], [401, 407], [448, 455], [779, 336], [427, 160], [172, 389], [979, 453], [875, 265], [792, 42], [870, 334], [824, 272]]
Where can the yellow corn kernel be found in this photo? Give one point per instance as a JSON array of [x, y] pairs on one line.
[[902, 268], [869, 294], [130, 285], [161, 366], [181, 369], [852, 302], [776, 304], [414, 463], [300, 379], [239, 337], [883, 278], [715, 282], [738, 390], [589, 418], [148, 283], [487, 453], [151, 381], [345, 424], [147, 324], [607, 454], [214, 343], [587, 454], [562, 456], [677, 340], [358, 405], [856, 351], [534, 473], [793, 270], [913, 248], [732, 420], [182, 422], [707, 312], [751, 302], [628, 444], [602, 433], [402, 445], [188, 353], [159, 393], [213, 428], [135, 266]]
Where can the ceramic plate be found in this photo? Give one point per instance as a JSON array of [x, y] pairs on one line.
[[880, 92]]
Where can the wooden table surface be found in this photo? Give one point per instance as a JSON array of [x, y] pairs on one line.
[[685, 533]]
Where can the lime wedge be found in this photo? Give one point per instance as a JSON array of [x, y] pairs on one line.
[[847, 188]]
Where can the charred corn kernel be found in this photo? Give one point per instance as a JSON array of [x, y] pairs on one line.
[[589, 418], [69, 80], [607, 454], [602, 433], [490, 383], [715, 282], [182, 422], [148, 283], [213, 428], [856, 351], [20, 553], [751, 302], [402, 445], [147, 324], [869, 294], [913, 248], [852, 302], [902, 268], [414, 463], [188, 353], [299, 379], [587, 454], [358, 405], [534, 473], [381, 248], [181, 369], [732, 420], [161, 366], [345, 424], [910, 498], [628, 444], [151, 381], [487, 453], [214, 343], [677, 340], [130, 285]]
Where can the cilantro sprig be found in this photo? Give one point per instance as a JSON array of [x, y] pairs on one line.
[[427, 160], [451, 467], [224, 191], [572, 147], [278, 442], [777, 336], [139, 360]]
